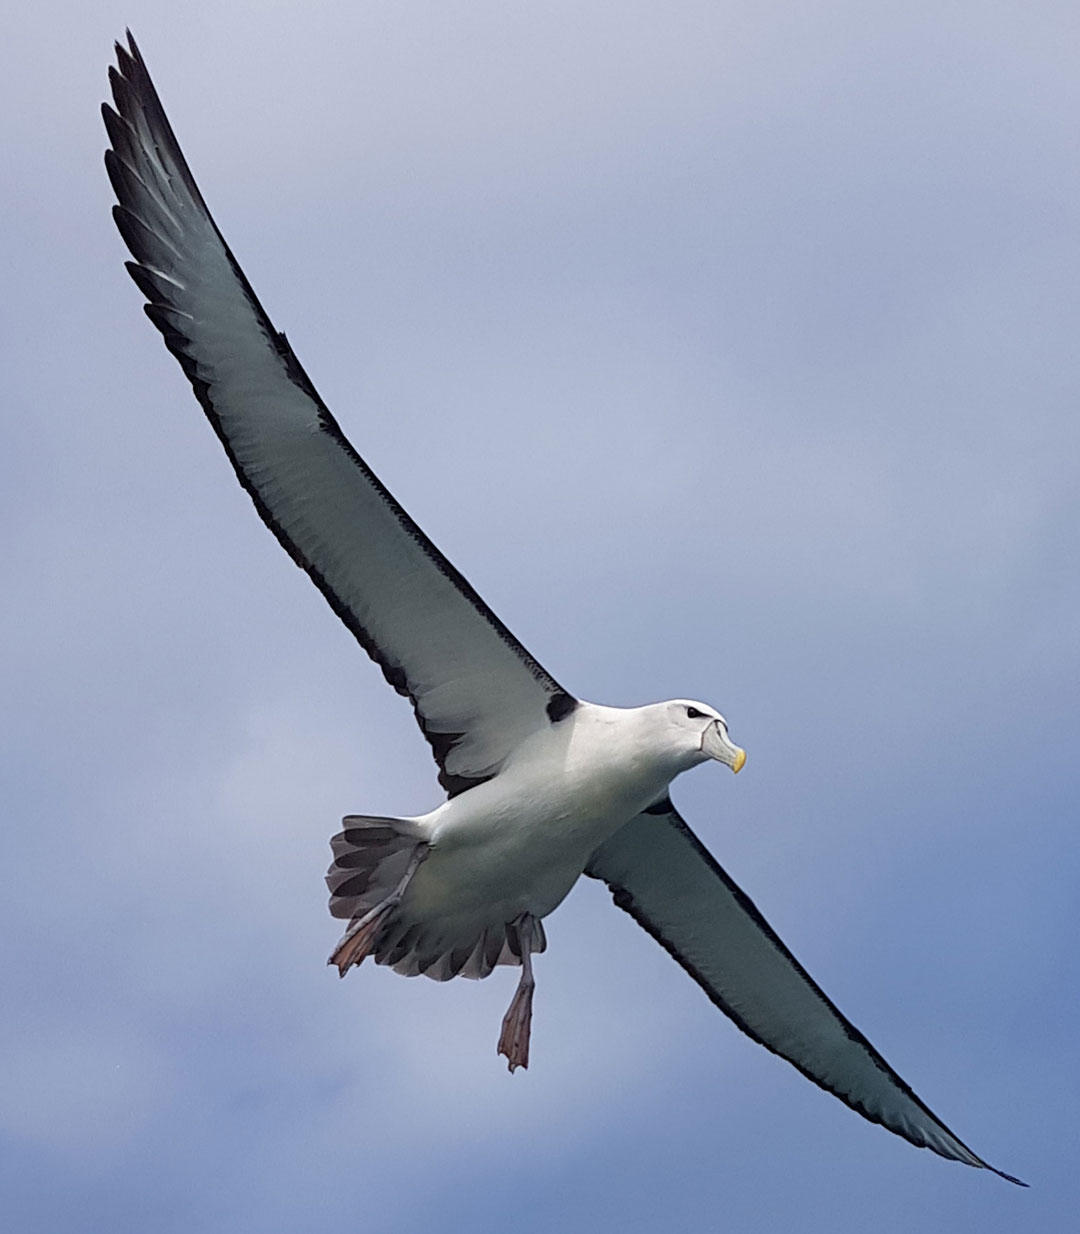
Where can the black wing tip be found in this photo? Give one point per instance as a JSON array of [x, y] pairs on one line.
[[130, 65], [132, 85], [1009, 1178], [134, 93], [129, 55]]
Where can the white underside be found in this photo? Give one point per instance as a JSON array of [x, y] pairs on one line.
[[518, 843]]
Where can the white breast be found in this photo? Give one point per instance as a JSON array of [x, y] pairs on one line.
[[523, 838]]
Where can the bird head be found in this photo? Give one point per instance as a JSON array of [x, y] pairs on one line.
[[699, 732]]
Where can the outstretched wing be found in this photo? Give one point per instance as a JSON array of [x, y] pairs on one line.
[[475, 690], [665, 878]]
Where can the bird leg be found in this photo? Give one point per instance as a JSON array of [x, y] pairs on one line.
[[357, 943], [514, 1039]]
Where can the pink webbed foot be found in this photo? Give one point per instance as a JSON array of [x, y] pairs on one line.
[[358, 943], [514, 1038]]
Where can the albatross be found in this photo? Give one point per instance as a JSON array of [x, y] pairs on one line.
[[541, 786]]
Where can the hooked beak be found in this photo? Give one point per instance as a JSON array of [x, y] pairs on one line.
[[716, 744]]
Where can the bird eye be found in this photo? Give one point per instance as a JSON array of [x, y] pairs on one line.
[[692, 713]]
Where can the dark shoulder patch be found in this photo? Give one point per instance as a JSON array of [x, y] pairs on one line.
[[663, 806], [560, 706]]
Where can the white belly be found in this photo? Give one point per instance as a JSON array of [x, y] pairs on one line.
[[519, 842]]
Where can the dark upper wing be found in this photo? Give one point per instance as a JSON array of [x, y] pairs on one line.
[[666, 879], [476, 691]]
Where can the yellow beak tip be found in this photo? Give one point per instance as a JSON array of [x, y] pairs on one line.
[[737, 765]]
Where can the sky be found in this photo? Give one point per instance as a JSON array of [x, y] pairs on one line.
[[729, 350]]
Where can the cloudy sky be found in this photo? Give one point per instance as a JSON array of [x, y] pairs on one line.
[[730, 350]]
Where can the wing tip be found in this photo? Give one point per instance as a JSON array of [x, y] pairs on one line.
[[1009, 1178], [129, 54], [964, 1157]]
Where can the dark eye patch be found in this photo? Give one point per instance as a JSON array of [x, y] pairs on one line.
[[692, 713]]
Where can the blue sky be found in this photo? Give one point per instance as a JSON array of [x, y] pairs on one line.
[[730, 351]]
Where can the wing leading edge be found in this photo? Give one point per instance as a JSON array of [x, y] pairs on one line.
[[475, 690], [665, 878]]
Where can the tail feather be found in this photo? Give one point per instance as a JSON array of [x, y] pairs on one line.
[[371, 856], [416, 952]]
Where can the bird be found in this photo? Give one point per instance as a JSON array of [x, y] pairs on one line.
[[541, 787]]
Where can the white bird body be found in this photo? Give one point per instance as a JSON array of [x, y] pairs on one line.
[[518, 843], [542, 787]]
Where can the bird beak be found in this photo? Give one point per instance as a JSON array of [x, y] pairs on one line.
[[715, 743]]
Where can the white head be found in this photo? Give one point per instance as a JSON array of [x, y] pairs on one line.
[[694, 732]]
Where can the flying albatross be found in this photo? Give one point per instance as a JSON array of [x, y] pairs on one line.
[[541, 786]]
